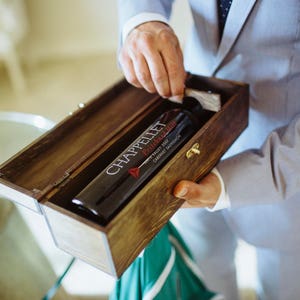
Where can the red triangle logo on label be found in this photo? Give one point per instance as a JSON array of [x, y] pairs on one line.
[[134, 172]]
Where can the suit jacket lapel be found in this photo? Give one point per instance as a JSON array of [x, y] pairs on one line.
[[209, 31], [238, 13]]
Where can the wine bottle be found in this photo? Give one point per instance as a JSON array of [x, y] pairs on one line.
[[104, 196]]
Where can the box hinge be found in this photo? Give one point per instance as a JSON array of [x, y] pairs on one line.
[[62, 181]]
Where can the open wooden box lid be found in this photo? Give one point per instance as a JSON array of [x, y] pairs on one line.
[[68, 151]]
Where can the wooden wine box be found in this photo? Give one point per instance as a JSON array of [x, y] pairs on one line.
[[50, 172]]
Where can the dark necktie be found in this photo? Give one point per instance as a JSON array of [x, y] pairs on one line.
[[223, 9]]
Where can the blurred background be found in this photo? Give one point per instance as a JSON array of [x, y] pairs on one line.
[[55, 54], [59, 53]]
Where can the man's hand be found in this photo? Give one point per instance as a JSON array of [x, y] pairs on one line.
[[202, 194], [151, 58]]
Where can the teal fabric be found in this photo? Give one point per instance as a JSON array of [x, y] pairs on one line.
[[167, 249]]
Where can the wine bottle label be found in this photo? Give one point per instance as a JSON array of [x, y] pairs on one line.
[[142, 147]]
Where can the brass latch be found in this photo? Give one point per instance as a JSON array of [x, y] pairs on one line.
[[193, 150]]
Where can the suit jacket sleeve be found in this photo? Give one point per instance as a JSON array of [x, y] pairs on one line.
[[130, 8], [272, 172]]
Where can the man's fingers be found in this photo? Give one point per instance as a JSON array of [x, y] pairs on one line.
[[158, 72], [128, 69], [151, 58], [189, 191], [142, 73], [173, 62], [202, 194]]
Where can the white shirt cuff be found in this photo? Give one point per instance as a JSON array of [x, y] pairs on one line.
[[223, 201], [140, 19]]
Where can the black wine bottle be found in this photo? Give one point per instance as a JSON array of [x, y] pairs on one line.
[[123, 177]]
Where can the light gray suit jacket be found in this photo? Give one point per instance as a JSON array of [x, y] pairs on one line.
[[260, 45]]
